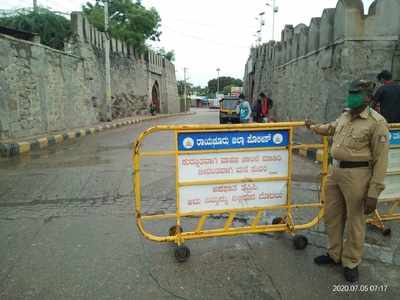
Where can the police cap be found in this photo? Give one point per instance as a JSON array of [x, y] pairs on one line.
[[362, 85]]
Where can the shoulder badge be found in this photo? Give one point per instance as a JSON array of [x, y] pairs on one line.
[[376, 116]]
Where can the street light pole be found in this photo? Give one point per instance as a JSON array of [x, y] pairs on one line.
[[275, 9], [107, 116], [262, 23], [273, 19]]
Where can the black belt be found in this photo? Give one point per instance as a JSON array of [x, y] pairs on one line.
[[353, 164]]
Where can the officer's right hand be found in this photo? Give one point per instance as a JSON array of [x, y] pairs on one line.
[[308, 123], [370, 205]]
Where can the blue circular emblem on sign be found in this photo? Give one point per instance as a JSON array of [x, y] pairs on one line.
[[188, 143], [277, 138]]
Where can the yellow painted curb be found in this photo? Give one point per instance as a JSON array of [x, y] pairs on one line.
[[71, 135], [83, 132], [319, 155], [59, 138], [24, 147], [303, 152], [43, 142]]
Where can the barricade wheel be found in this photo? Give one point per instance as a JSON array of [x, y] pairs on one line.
[[175, 229], [182, 253], [387, 232], [300, 242], [277, 220]]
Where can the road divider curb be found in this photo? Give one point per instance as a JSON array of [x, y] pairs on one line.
[[24, 147], [311, 154]]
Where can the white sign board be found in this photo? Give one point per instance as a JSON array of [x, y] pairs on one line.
[[230, 196], [235, 165], [206, 157]]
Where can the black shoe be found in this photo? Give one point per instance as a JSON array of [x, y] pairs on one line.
[[325, 260], [351, 275]]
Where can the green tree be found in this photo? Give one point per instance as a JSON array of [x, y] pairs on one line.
[[54, 30], [200, 91], [170, 55], [129, 22], [228, 88], [223, 82]]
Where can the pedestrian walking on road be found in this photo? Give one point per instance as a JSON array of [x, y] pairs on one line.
[[244, 110], [360, 152], [387, 98]]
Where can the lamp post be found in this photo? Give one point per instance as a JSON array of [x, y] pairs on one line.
[[262, 23], [275, 10], [218, 69]]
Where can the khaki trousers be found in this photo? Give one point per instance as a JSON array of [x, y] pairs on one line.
[[346, 191]]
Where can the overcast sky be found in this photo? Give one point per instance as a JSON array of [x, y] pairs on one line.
[[211, 34]]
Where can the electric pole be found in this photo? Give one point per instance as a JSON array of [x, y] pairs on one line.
[[107, 116], [34, 5]]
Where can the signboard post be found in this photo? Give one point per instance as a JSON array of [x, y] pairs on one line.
[[223, 170]]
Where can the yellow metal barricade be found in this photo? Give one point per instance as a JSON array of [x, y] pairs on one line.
[[190, 189], [391, 195]]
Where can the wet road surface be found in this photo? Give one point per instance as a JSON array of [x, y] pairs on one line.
[[67, 231]]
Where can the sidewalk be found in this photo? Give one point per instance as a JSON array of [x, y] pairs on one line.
[[10, 148]]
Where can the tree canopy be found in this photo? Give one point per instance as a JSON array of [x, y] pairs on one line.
[[129, 22], [53, 29], [170, 55], [223, 82]]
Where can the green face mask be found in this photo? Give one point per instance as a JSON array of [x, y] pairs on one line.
[[354, 101]]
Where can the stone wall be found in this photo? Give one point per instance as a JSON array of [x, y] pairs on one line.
[[43, 90], [308, 71], [132, 75]]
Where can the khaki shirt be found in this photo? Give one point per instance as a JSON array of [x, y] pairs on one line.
[[361, 138]]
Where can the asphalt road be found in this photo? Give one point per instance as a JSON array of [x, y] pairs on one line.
[[67, 231]]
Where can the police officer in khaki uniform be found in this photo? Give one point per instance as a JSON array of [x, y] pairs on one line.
[[360, 152]]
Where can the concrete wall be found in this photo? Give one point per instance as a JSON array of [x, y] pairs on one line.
[[43, 90], [307, 73]]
